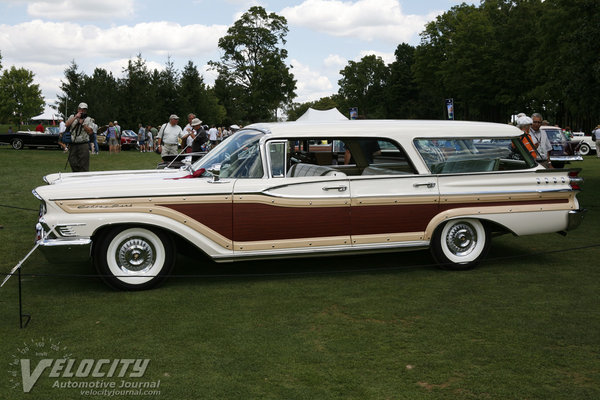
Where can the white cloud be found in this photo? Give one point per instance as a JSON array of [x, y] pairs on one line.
[[62, 41], [363, 19], [335, 62], [387, 58], [311, 85], [77, 10]]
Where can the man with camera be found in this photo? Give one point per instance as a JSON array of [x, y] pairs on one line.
[[81, 128], [168, 137]]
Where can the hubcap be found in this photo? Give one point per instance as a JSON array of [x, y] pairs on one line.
[[461, 239], [135, 255]]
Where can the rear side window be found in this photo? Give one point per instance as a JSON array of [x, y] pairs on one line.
[[456, 155]]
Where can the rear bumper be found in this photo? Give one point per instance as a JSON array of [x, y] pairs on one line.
[[66, 250], [575, 217], [566, 158]]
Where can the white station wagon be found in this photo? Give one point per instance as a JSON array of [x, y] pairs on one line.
[[305, 189]]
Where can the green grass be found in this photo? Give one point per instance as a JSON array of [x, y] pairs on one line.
[[525, 324]]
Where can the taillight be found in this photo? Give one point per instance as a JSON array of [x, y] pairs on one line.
[[575, 181]]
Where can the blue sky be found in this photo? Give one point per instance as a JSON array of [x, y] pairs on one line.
[[45, 35]]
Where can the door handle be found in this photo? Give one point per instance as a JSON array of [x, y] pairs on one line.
[[338, 188], [428, 184]]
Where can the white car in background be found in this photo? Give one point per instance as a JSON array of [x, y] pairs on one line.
[[587, 145]]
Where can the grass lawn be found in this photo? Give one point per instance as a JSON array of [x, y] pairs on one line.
[[524, 325]]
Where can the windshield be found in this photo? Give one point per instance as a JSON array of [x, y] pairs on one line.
[[555, 135], [237, 157]]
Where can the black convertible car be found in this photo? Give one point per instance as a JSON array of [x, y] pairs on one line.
[[32, 138]]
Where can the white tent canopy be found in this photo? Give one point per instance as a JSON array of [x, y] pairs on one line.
[[47, 116], [330, 115]]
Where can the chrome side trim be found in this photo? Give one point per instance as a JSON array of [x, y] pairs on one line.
[[323, 251]]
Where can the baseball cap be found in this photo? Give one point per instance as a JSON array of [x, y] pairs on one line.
[[82, 105], [173, 116]]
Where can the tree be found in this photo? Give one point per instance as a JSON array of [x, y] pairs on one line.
[[102, 95], [363, 85], [402, 92], [72, 89], [253, 78], [138, 104], [20, 98], [195, 97]]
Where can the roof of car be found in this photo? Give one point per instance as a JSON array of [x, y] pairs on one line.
[[414, 128]]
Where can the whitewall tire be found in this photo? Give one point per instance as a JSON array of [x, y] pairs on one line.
[[460, 244], [134, 258]]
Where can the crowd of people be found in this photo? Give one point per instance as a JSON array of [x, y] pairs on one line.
[[78, 136]]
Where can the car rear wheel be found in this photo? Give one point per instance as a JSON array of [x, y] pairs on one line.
[[134, 258], [460, 244], [17, 144], [584, 149]]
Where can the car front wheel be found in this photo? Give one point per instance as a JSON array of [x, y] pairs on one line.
[[584, 149], [460, 244], [134, 258], [17, 144]]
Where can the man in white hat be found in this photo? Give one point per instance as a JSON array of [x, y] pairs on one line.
[[81, 128], [190, 134], [168, 137]]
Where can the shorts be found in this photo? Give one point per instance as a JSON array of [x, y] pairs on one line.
[[113, 141]]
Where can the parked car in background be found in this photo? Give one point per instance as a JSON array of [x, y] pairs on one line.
[[563, 151], [32, 139], [267, 193], [586, 143], [129, 140]]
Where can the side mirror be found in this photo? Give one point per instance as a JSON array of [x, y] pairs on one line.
[[215, 170]]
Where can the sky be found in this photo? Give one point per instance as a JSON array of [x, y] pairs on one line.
[[44, 36]]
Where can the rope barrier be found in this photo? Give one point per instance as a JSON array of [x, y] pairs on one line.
[[299, 273], [20, 208]]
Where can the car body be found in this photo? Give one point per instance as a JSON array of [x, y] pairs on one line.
[[563, 151], [33, 139], [266, 193], [586, 143], [129, 140]]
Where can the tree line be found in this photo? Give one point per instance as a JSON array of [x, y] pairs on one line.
[[494, 60]]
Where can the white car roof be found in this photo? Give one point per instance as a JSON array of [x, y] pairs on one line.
[[404, 128]]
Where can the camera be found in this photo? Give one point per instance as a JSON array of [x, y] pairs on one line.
[[83, 116]]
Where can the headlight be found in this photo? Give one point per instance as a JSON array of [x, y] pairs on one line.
[[42, 203]]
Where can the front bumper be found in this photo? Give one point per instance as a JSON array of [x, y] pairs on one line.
[[575, 217], [59, 251]]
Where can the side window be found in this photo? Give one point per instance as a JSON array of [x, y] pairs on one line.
[[377, 156], [339, 156], [465, 155], [277, 155]]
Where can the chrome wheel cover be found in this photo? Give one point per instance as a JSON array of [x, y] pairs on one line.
[[461, 239], [135, 255]]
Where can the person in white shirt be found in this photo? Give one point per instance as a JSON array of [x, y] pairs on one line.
[[539, 137], [213, 135], [62, 127], [168, 136]]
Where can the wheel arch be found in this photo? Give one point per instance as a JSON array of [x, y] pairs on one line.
[[181, 243]]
